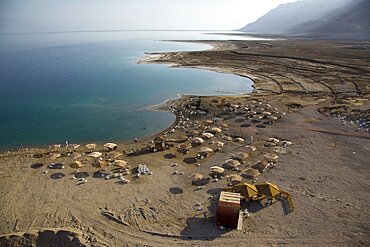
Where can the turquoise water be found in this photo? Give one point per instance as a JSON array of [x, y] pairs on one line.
[[83, 87]]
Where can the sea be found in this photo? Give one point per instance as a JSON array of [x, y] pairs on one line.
[[87, 86]]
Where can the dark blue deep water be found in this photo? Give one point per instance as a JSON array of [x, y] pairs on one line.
[[87, 86]]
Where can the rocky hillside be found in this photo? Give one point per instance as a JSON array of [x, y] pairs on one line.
[[336, 19]]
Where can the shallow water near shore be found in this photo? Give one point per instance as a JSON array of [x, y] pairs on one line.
[[87, 86]]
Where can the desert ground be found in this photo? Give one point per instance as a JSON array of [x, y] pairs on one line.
[[313, 95]]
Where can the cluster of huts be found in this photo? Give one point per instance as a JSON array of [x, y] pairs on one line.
[[232, 170], [202, 136]]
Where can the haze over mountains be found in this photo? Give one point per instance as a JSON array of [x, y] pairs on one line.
[[334, 19]]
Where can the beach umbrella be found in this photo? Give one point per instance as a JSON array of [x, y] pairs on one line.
[[91, 146], [76, 164], [252, 173], [231, 163], [95, 154], [120, 163], [217, 169]]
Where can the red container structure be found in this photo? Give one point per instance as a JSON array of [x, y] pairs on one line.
[[228, 210]]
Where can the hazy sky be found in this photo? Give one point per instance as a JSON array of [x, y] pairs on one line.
[[49, 15]]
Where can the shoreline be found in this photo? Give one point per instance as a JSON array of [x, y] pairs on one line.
[[151, 57], [305, 128]]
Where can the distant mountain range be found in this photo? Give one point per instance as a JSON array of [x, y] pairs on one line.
[[334, 19]]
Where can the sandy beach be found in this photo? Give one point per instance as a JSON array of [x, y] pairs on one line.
[[313, 95]]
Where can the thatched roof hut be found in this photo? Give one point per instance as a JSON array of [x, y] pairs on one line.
[[197, 141], [110, 146], [234, 178], [73, 146], [206, 150], [120, 163], [232, 164], [198, 179], [240, 156], [207, 135], [271, 157], [249, 149], [215, 130], [262, 166], [183, 148], [95, 154], [251, 173], [54, 156], [217, 170], [91, 146], [100, 163], [76, 164], [239, 139]]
